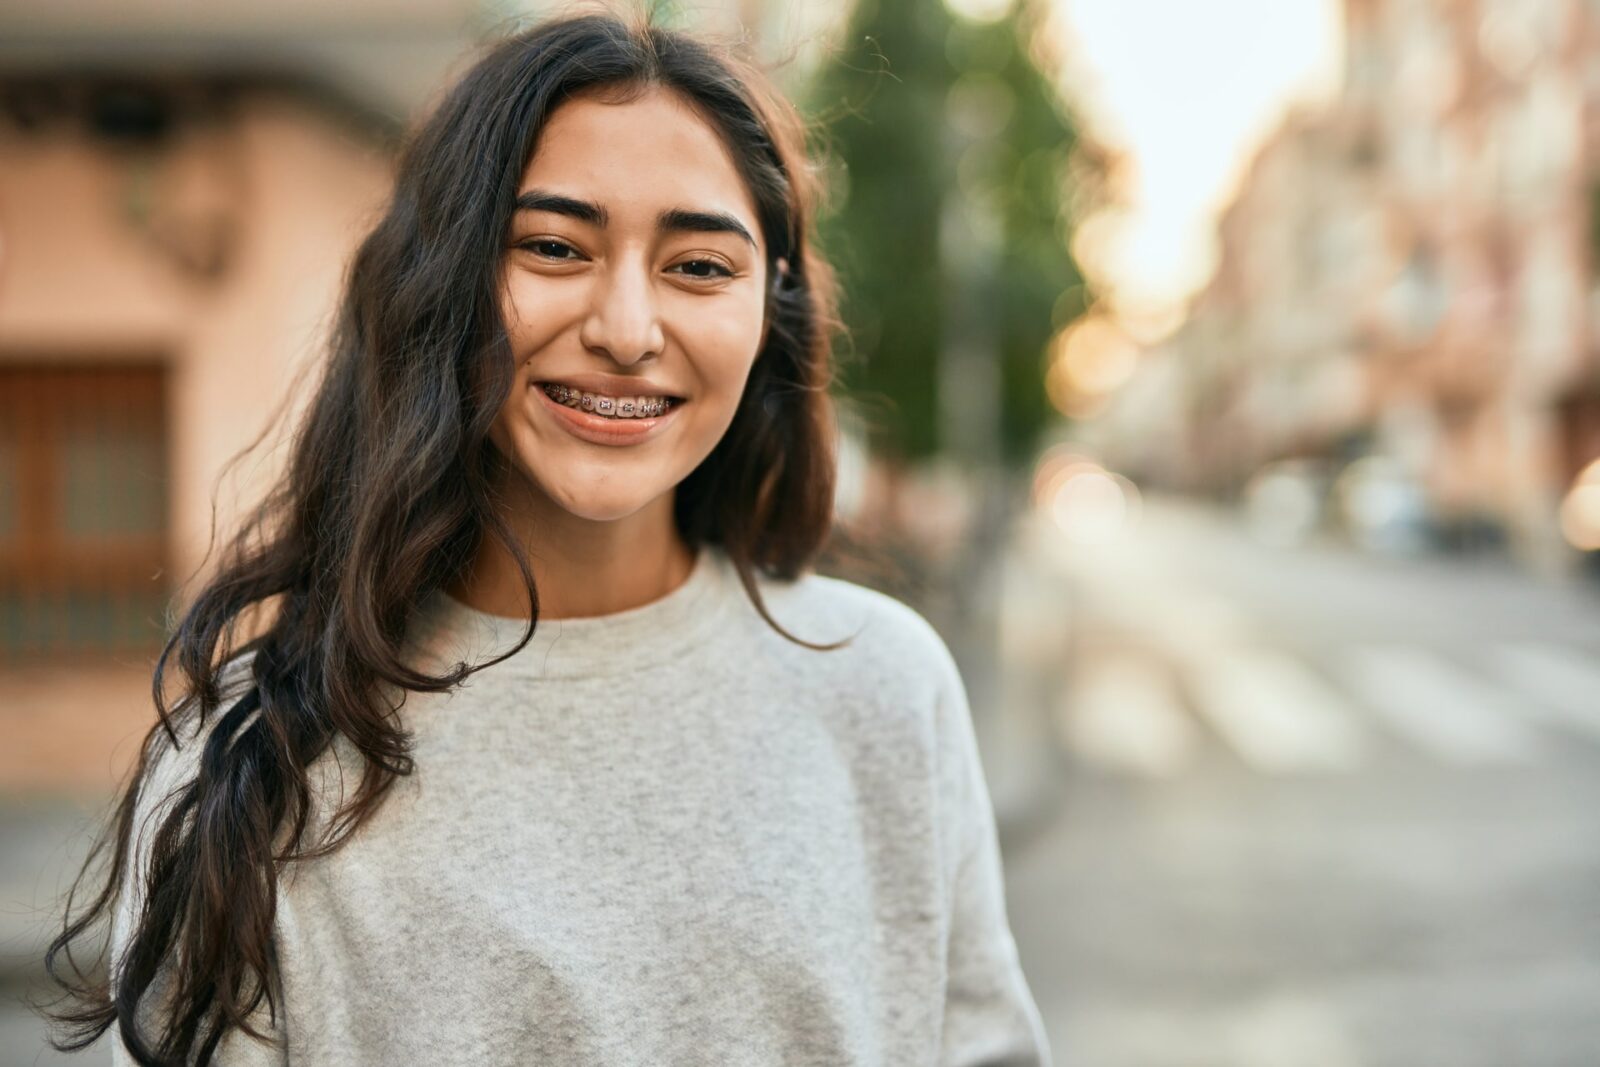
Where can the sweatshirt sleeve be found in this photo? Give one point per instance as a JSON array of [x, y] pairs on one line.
[[990, 1018]]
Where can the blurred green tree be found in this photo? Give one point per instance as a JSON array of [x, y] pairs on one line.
[[882, 101]]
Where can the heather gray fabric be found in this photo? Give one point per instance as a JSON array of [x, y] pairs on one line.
[[664, 836]]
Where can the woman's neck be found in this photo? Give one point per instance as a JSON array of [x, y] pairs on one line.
[[582, 568]]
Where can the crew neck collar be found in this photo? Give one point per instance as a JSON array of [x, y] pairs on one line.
[[618, 643]]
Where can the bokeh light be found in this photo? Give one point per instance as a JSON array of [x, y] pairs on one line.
[[1580, 511]]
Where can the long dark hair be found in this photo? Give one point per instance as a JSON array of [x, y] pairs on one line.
[[388, 492]]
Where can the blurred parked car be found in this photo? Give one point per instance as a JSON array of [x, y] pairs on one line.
[[1286, 501], [1381, 506]]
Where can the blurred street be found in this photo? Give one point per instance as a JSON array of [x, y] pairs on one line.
[[1314, 808]]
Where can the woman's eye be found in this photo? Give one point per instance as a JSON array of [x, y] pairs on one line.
[[545, 246], [701, 266]]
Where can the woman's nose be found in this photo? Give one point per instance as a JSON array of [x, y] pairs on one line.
[[623, 320]]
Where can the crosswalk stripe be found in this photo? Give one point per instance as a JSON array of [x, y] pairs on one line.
[[1275, 713], [1268, 1029], [1121, 712], [1438, 707], [1561, 680], [1289, 1027]]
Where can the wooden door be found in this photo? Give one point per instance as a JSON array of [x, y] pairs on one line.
[[83, 510]]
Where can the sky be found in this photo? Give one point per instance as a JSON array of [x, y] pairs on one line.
[[1188, 88]]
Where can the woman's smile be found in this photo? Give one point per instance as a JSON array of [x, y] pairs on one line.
[[603, 429]]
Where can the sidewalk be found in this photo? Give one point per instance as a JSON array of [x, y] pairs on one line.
[[46, 839]]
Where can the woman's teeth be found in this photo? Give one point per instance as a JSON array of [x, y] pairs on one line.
[[611, 407]]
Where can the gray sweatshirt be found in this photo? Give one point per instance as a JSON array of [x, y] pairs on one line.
[[666, 836]]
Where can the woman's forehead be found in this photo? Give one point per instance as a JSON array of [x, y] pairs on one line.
[[637, 157]]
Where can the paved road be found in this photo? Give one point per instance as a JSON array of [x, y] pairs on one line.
[[1311, 809]]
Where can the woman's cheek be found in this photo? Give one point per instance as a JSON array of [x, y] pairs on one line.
[[729, 341], [535, 312]]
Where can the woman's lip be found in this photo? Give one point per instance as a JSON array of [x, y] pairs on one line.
[[599, 430]]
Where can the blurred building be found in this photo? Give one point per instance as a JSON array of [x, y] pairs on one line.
[[1408, 273], [170, 247]]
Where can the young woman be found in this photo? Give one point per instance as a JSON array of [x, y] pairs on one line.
[[550, 747]]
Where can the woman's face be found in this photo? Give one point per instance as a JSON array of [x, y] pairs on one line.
[[634, 272]]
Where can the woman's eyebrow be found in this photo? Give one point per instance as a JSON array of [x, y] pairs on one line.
[[582, 210], [682, 221], [679, 220]]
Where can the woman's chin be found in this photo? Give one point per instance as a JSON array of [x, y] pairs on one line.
[[601, 507]]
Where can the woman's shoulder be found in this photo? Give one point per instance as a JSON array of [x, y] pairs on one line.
[[884, 631]]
